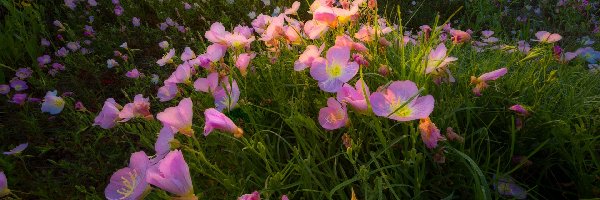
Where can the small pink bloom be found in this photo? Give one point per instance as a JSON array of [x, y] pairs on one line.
[[395, 102], [187, 54], [519, 109], [134, 73], [438, 59], [253, 196], [217, 120], [217, 33], [135, 21], [130, 182], [179, 118], [208, 84], [243, 30], [215, 52], [228, 96], [163, 142], [487, 33], [172, 174], [459, 36], [315, 29], [139, 108], [346, 41], [334, 71], [481, 81], [430, 134], [294, 9], [326, 15], [19, 99], [306, 59], [242, 62], [355, 96], [547, 37], [110, 63], [167, 58], [167, 92], [79, 106], [523, 46], [260, 23], [182, 74], [4, 89], [333, 116], [108, 117]]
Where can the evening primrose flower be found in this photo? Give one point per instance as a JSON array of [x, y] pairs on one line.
[[208, 84], [430, 134], [438, 59], [306, 59], [182, 74], [459, 36], [23, 73], [242, 62], [401, 101], [355, 96], [172, 174], [4, 89], [179, 118], [167, 92], [19, 99], [3, 185], [163, 142], [481, 81], [228, 96], [108, 117], [187, 54], [16, 150], [167, 58], [140, 107], [346, 41], [135, 21], [315, 29], [43, 60], [219, 121], [334, 71], [52, 103], [130, 182], [134, 73], [18, 84], [252, 196], [110, 63], [217, 34], [333, 116], [547, 37], [163, 44]]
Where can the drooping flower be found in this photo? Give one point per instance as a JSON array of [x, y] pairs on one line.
[[519, 109], [228, 96], [453, 136], [3, 185], [134, 73], [52, 103], [333, 116], [430, 134], [4, 89], [167, 92], [108, 117], [79, 106], [179, 118], [167, 58], [172, 174], [187, 54], [306, 59], [334, 71], [19, 99], [355, 96], [140, 107], [16, 150], [401, 101], [252, 196], [547, 37], [242, 62], [506, 186], [110, 63], [481, 81], [208, 84], [18, 84], [459, 36], [217, 120], [23, 73], [130, 182]]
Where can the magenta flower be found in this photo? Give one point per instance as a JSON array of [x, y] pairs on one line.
[[242, 62], [214, 53], [307, 58], [119, 10], [179, 118], [217, 120], [167, 58], [172, 174], [481, 81], [243, 30], [401, 101], [333, 116], [253, 196], [334, 71], [208, 84], [79, 106], [134, 73], [139, 108], [284, 197], [108, 117], [187, 54], [4, 89], [430, 134], [519, 109], [182, 74], [167, 92], [52, 104], [130, 182], [355, 96], [3, 185], [18, 84], [23, 73], [43, 60], [135, 21], [16, 150], [19, 99], [547, 37], [228, 96]]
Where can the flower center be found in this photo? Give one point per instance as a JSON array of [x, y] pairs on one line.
[[59, 102], [400, 112], [334, 70], [129, 184], [187, 130]]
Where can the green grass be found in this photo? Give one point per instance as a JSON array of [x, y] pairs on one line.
[[284, 149]]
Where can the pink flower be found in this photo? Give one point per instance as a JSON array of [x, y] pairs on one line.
[[401, 101], [217, 34], [228, 96], [3, 185], [71, 4], [130, 182], [172, 174], [163, 44], [110, 63], [79, 106], [18, 149], [438, 59], [187, 54], [243, 30], [367, 33], [459, 36], [523, 46], [214, 52], [547, 37], [326, 15], [306, 59], [167, 58], [217, 120], [19, 99], [187, 6], [237, 41], [108, 117], [346, 41], [242, 62], [333, 116], [292, 33], [134, 73], [253, 196], [167, 92], [315, 29], [334, 71], [260, 23], [294, 9], [43, 60], [430, 134], [163, 142], [52, 104], [357, 98], [182, 74], [135, 21], [481, 81], [179, 118], [519, 109], [208, 84], [139, 108]]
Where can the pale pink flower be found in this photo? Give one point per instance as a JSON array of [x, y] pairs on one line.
[[333, 116], [242, 62], [306, 59], [217, 120], [179, 118], [140, 107], [481, 81]]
